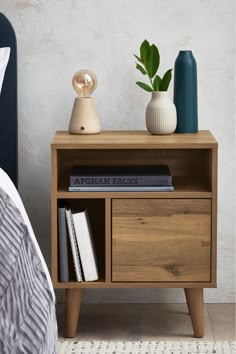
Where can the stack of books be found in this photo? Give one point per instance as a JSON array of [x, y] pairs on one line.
[[75, 237], [121, 178]]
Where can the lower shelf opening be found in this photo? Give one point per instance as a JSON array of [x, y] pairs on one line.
[[95, 220]]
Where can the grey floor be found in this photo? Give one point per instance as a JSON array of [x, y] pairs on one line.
[[130, 322]]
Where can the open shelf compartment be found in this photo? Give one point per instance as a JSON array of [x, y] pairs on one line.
[[96, 214], [190, 168]]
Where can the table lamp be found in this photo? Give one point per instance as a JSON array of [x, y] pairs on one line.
[[84, 117]]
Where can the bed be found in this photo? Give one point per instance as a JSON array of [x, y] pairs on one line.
[[27, 299], [8, 103]]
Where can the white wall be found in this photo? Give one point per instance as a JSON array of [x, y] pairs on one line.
[[57, 38]]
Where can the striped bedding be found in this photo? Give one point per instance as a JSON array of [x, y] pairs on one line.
[[27, 302]]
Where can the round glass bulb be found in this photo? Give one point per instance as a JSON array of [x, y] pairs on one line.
[[84, 82]]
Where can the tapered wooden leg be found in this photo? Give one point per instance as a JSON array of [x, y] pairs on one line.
[[186, 295], [194, 297], [73, 301]]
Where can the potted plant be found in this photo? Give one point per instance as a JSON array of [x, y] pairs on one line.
[[160, 112]]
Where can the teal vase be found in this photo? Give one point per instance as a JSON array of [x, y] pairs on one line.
[[185, 92]]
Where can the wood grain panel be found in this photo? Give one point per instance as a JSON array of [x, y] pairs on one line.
[[133, 139], [108, 239], [54, 248], [102, 284], [161, 240], [214, 168]]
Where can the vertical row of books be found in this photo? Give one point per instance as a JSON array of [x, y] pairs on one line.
[[76, 241], [121, 178]]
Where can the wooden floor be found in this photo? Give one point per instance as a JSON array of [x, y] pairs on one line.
[[149, 322]]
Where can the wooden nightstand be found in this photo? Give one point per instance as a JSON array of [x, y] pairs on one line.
[[144, 239]]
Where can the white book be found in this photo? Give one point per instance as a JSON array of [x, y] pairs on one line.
[[85, 243], [74, 248]]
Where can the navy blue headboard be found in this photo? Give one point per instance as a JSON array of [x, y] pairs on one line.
[[8, 104]]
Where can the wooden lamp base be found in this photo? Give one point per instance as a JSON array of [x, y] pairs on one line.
[[84, 117]]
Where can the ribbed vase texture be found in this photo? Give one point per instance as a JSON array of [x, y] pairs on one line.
[[161, 114]]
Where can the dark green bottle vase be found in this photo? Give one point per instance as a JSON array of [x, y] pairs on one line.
[[185, 92]]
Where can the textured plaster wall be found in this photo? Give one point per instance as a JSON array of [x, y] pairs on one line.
[[56, 38]]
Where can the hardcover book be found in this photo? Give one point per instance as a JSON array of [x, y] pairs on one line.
[[74, 247], [147, 175], [86, 246]]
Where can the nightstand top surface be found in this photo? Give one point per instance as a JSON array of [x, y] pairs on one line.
[[133, 139]]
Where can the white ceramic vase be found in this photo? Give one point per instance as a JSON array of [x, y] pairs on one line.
[[161, 115]]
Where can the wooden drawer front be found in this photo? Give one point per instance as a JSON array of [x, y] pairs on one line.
[[161, 240]]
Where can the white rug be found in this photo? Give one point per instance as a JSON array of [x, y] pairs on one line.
[[153, 347]]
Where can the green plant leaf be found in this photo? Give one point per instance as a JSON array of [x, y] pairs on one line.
[[156, 83], [144, 52], [140, 68], [138, 58], [144, 86], [165, 81], [153, 61]]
